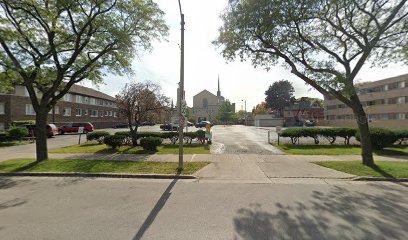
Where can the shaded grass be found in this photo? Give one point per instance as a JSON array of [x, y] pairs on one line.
[[14, 143], [103, 149], [318, 149], [389, 169], [98, 166]]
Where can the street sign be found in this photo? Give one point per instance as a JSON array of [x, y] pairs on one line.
[[183, 107], [81, 130]]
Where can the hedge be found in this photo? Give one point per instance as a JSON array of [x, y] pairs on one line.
[[172, 136], [22, 122], [114, 141], [150, 143], [97, 136], [16, 133], [331, 134], [401, 135], [380, 137]]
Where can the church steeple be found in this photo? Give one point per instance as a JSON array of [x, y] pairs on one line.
[[218, 92]]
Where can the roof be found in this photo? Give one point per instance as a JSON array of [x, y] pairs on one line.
[[205, 91], [90, 92]]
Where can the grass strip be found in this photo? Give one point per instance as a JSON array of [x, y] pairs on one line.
[[98, 166], [318, 149], [386, 169], [91, 147]]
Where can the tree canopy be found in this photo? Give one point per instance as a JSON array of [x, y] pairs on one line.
[[226, 112], [323, 42], [279, 95]]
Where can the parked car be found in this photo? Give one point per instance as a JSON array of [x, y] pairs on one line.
[[202, 124], [121, 125], [310, 123], [169, 127], [147, 123], [73, 128], [190, 124], [52, 130]]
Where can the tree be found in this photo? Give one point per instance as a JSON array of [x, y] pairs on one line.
[[323, 42], [137, 101], [261, 108], [279, 95], [226, 112], [52, 45]]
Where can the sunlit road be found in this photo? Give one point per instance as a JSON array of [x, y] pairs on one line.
[[69, 208]]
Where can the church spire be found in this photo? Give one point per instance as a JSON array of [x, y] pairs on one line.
[[218, 92]]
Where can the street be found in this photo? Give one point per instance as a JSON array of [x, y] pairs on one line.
[[77, 208]]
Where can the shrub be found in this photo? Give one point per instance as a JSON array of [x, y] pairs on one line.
[[346, 133], [22, 122], [114, 141], [97, 136], [17, 133], [293, 133], [401, 135], [150, 143], [380, 138]]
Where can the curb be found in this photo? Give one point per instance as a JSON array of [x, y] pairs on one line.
[[380, 179], [97, 175]]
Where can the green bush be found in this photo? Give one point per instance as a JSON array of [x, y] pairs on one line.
[[16, 133], [293, 133], [114, 141], [380, 138], [22, 122], [330, 134], [150, 143], [401, 135], [97, 136]]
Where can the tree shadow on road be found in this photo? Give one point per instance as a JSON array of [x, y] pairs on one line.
[[339, 214], [156, 209]]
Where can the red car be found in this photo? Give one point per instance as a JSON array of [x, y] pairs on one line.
[[52, 130], [73, 128]]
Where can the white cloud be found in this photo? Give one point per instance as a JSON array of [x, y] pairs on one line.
[[203, 63]]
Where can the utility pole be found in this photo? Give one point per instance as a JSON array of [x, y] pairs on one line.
[[181, 92]]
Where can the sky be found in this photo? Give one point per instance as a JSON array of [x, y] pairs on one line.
[[239, 81]]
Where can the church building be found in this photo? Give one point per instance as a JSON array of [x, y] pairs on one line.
[[206, 105]]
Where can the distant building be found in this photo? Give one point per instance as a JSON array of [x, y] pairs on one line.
[[385, 103], [80, 104], [206, 105], [302, 110]]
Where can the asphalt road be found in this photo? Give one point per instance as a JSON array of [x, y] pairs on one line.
[[71, 208]]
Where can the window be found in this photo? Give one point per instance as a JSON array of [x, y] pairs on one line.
[[401, 84], [205, 103], [86, 112], [1, 108], [56, 110], [400, 100], [67, 97], [106, 113], [2, 127], [401, 116], [78, 112], [94, 113], [79, 99], [115, 114], [110, 114], [29, 109], [92, 101], [100, 113], [66, 111], [385, 87], [100, 102], [86, 100]]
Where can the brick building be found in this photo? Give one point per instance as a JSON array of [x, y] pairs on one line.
[[81, 104], [385, 103], [302, 110]]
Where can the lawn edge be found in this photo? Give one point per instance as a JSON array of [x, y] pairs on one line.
[[96, 175], [377, 179]]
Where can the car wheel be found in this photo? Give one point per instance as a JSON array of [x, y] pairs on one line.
[[61, 132]]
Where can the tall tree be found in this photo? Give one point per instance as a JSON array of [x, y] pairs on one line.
[[226, 113], [323, 42], [279, 95], [53, 44], [261, 108], [137, 101]]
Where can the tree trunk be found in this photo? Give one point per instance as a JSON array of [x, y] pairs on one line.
[[365, 140], [41, 135], [133, 134]]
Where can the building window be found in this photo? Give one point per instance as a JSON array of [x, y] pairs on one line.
[[106, 113], [1, 108], [205, 103], [100, 113], [110, 113], [94, 113], [92, 101], [29, 109], [78, 112], [400, 100], [79, 99], [2, 127], [66, 111], [401, 84], [385, 87], [67, 97], [86, 112], [86, 100], [115, 114], [56, 110], [401, 116]]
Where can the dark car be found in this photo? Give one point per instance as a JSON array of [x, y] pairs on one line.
[[310, 123], [147, 123], [74, 127], [121, 125], [202, 124], [190, 124], [52, 130], [169, 127]]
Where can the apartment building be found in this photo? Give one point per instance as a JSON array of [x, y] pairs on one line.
[[385, 103], [81, 104]]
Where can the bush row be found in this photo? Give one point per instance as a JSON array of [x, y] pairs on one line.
[[15, 133], [380, 138]]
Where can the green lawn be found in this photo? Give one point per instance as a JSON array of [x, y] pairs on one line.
[[318, 149], [389, 169], [98, 166], [162, 149]]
